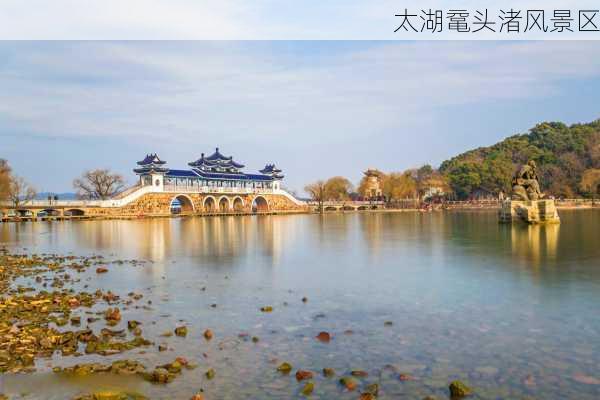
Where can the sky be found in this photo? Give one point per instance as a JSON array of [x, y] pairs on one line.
[[243, 19], [315, 108]]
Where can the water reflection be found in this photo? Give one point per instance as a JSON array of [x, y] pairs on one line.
[[218, 239], [535, 244]]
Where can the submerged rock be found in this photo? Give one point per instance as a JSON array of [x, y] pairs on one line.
[[373, 389], [285, 367], [308, 388], [160, 375], [349, 383], [303, 374], [459, 390], [210, 373], [324, 337], [112, 316], [181, 331]]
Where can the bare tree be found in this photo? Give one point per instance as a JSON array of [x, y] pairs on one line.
[[98, 184], [317, 193], [19, 191]]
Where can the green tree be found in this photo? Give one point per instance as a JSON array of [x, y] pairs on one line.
[[561, 152]]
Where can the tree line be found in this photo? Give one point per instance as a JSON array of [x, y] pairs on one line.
[[568, 159], [411, 184]]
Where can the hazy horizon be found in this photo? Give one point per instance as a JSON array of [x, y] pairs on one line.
[[316, 109]]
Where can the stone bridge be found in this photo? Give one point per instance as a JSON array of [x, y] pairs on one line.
[[143, 201], [348, 205]]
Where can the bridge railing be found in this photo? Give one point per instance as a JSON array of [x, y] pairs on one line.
[[53, 203], [208, 189], [346, 203]]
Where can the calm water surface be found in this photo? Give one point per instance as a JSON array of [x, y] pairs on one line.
[[514, 311]]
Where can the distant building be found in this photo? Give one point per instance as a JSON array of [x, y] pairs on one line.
[[373, 188], [206, 173]]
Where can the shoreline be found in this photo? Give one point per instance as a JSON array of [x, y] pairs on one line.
[[473, 207]]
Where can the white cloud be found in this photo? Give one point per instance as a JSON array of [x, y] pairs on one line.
[[283, 98]]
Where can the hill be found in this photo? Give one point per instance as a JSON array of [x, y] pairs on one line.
[[568, 159]]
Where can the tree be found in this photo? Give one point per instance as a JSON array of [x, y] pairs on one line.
[[19, 191], [337, 188], [316, 191], [98, 184], [4, 179], [590, 182], [399, 185]]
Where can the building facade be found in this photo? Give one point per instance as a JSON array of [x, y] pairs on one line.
[[214, 173], [373, 184]]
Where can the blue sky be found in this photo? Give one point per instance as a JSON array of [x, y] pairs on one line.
[[316, 109]]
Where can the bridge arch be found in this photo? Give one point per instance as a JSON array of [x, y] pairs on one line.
[[331, 208], [238, 204], [348, 208], [48, 212], [260, 204], [224, 204], [75, 212], [181, 204], [209, 204]]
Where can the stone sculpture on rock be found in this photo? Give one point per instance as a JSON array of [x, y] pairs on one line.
[[526, 185], [527, 202]]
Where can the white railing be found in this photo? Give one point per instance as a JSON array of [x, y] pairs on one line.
[[133, 195]]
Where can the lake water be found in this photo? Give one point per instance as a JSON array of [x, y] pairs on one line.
[[513, 311]]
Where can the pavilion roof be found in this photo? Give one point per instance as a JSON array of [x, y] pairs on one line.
[[150, 159]]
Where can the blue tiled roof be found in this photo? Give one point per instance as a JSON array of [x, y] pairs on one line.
[[234, 176], [181, 173], [217, 156], [151, 159], [215, 160], [269, 168]]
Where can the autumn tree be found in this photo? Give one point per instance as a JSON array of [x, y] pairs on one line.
[[337, 188], [4, 179], [19, 191], [590, 182], [98, 184], [316, 192], [399, 185]]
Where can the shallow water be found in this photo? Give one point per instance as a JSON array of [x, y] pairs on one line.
[[514, 311]]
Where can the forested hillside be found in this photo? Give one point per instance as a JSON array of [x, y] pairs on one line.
[[568, 159]]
